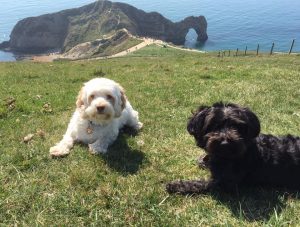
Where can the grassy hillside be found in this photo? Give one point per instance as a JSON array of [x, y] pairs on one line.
[[126, 187]]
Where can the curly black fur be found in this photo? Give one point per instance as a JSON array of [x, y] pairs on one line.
[[237, 155]]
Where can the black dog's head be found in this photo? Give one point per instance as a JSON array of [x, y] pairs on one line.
[[223, 129]]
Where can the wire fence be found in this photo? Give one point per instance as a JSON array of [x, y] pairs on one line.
[[246, 52]]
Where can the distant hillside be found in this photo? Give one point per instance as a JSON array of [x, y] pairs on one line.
[[63, 30]]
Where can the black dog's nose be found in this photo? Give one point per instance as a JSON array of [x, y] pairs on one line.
[[224, 143], [100, 109]]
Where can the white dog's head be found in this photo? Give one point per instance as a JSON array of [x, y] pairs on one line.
[[100, 100]]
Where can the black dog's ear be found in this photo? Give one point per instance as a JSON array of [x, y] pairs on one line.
[[196, 122], [253, 124]]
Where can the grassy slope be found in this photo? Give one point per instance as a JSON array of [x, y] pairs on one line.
[[127, 186]]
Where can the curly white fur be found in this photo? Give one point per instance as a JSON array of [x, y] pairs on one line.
[[102, 109]]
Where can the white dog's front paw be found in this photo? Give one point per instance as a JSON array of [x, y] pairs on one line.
[[58, 151], [139, 125], [96, 149]]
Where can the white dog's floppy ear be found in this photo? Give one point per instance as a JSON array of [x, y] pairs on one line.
[[121, 103], [79, 101], [123, 99]]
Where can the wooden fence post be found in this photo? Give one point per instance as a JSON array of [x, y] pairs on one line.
[[271, 52], [246, 50], [257, 49], [292, 46], [229, 53], [236, 53]]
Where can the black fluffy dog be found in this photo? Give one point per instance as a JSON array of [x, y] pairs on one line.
[[237, 155]]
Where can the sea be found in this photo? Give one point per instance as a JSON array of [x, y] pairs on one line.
[[232, 24]]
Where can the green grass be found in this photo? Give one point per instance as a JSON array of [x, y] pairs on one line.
[[127, 186]]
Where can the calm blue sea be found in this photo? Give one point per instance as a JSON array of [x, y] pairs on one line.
[[231, 23]]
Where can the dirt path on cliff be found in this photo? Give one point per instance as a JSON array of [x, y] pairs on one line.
[[145, 42], [149, 41]]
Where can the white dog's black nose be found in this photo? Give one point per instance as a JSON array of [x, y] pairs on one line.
[[100, 109]]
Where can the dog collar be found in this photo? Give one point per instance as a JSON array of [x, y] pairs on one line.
[[90, 127]]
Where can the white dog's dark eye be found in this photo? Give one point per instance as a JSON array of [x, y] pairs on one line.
[[91, 98], [109, 97]]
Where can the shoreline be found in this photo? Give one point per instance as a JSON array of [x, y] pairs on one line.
[[45, 58], [50, 57]]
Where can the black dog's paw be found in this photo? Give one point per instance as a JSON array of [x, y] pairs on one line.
[[179, 187], [188, 187], [172, 187]]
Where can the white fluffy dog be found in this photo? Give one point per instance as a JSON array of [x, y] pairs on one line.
[[102, 109]]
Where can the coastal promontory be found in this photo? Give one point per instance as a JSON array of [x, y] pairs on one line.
[[64, 30]]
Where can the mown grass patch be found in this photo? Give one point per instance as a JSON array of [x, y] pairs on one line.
[[126, 187]]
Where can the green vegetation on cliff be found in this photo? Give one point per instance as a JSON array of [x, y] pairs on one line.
[[126, 187]]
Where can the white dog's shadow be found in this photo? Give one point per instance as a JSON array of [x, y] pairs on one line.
[[121, 157]]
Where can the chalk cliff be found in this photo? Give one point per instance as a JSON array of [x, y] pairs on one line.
[[63, 30]]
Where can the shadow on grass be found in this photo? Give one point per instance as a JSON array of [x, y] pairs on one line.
[[123, 159], [256, 204]]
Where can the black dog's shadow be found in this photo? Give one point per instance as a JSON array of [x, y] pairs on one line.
[[256, 204], [252, 204], [123, 159]]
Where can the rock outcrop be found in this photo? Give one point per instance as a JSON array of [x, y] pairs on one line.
[[39, 34], [64, 30]]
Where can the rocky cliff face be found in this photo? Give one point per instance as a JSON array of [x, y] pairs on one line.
[[39, 34], [63, 30]]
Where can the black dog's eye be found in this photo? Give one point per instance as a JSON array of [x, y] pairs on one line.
[[215, 127], [242, 129], [211, 128]]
